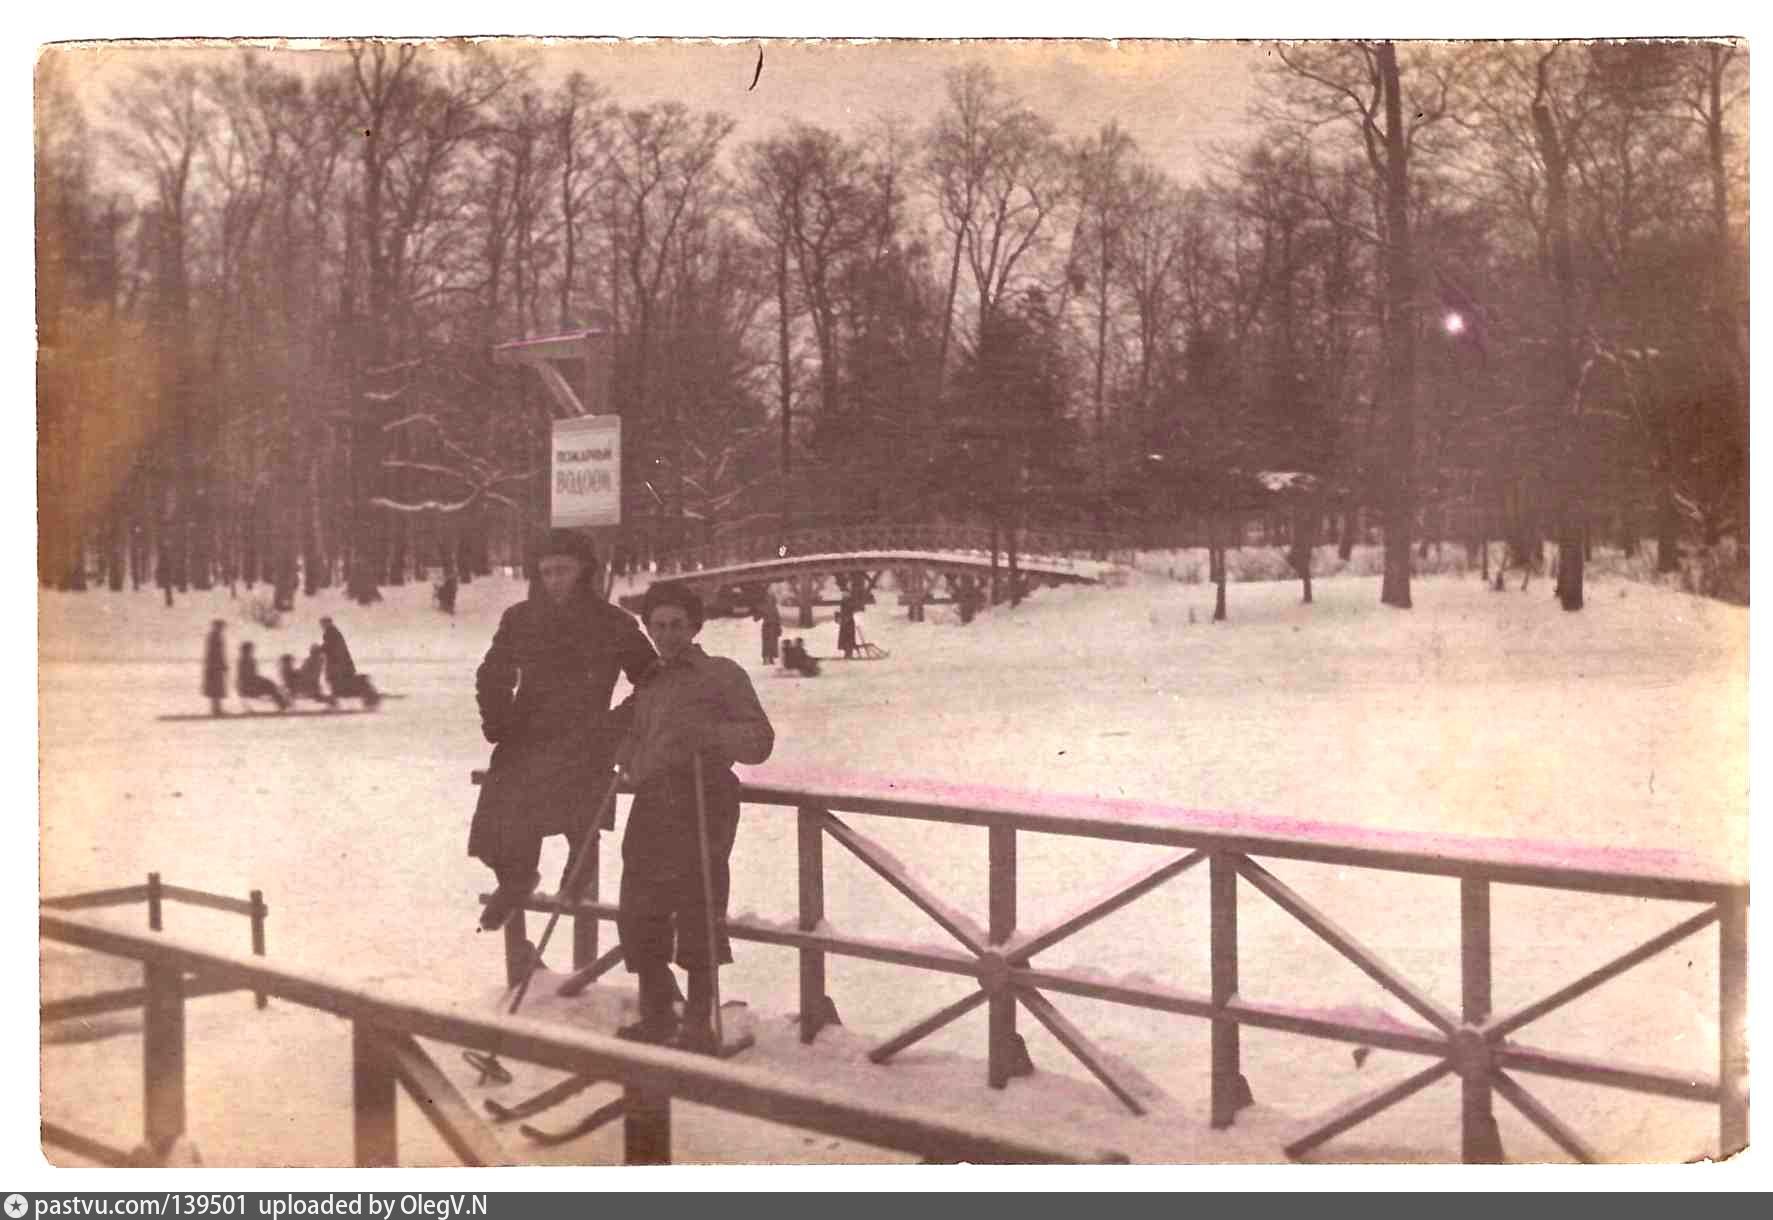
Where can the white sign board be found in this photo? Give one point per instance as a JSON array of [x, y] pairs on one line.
[[585, 471]]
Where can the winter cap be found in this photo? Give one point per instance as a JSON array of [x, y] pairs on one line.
[[567, 542], [671, 593]]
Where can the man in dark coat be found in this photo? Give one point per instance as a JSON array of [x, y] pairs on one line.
[[846, 628], [544, 692], [215, 668], [342, 677], [694, 705], [772, 628]]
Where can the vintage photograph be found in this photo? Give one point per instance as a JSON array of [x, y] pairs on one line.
[[793, 602]]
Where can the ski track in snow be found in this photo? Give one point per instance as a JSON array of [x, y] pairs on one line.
[[1619, 735]]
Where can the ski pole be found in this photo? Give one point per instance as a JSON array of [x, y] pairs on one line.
[[708, 902], [570, 885]]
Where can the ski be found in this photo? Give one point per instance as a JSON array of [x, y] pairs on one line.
[[585, 1126], [551, 1096]]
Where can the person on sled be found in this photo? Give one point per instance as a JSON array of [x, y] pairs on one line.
[[694, 704], [250, 685], [543, 691], [303, 681]]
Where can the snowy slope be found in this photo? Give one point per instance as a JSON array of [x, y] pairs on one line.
[[1476, 713]]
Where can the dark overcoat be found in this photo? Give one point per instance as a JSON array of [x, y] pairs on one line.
[[544, 690], [340, 668], [215, 666]]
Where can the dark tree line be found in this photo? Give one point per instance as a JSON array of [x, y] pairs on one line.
[[1461, 292]]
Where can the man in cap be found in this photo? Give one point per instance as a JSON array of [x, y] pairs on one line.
[[671, 909]]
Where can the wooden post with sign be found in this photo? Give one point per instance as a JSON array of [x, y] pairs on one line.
[[585, 449]]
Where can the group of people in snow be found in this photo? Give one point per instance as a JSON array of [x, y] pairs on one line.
[[795, 657], [544, 690], [326, 676]]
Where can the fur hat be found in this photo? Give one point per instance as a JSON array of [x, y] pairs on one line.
[[566, 542]]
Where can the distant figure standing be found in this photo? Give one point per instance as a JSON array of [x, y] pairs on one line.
[[446, 594], [215, 668], [846, 629], [342, 677], [772, 629], [248, 683]]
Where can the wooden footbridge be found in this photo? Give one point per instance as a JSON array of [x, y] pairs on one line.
[[931, 564]]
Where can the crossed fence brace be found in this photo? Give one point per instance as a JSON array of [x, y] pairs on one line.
[[1474, 1044]]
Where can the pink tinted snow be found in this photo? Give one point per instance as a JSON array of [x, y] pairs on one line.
[[1629, 861]]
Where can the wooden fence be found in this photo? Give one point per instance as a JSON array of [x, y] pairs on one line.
[[1473, 1041], [155, 895], [386, 1055]]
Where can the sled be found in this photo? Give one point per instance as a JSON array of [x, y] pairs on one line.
[[864, 652], [271, 715]]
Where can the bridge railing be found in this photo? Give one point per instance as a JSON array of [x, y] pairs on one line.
[[848, 539], [386, 1055], [1471, 1041]]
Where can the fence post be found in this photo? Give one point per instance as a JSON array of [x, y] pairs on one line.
[[258, 937], [585, 926], [1480, 1140], [374, 1135], [1231, 1092], [517, 948], [646, 1127], [163, 1057], [1002, 1058], [153, 902], [812, 912], [1733, 1022]]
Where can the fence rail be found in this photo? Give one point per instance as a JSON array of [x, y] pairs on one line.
[[1472, 1042], [387, 1056], [846, 539]]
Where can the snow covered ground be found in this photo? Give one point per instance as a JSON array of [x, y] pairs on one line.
[[1476, 713]]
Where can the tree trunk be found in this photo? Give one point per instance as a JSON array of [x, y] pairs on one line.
[[1565, 401], [1216, 564], [786, 373], [1305, 526], [1668, 529], [1399, 340]]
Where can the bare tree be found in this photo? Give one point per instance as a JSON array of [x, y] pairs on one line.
[[1361, 86], [663, 162], [1103, 195]]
